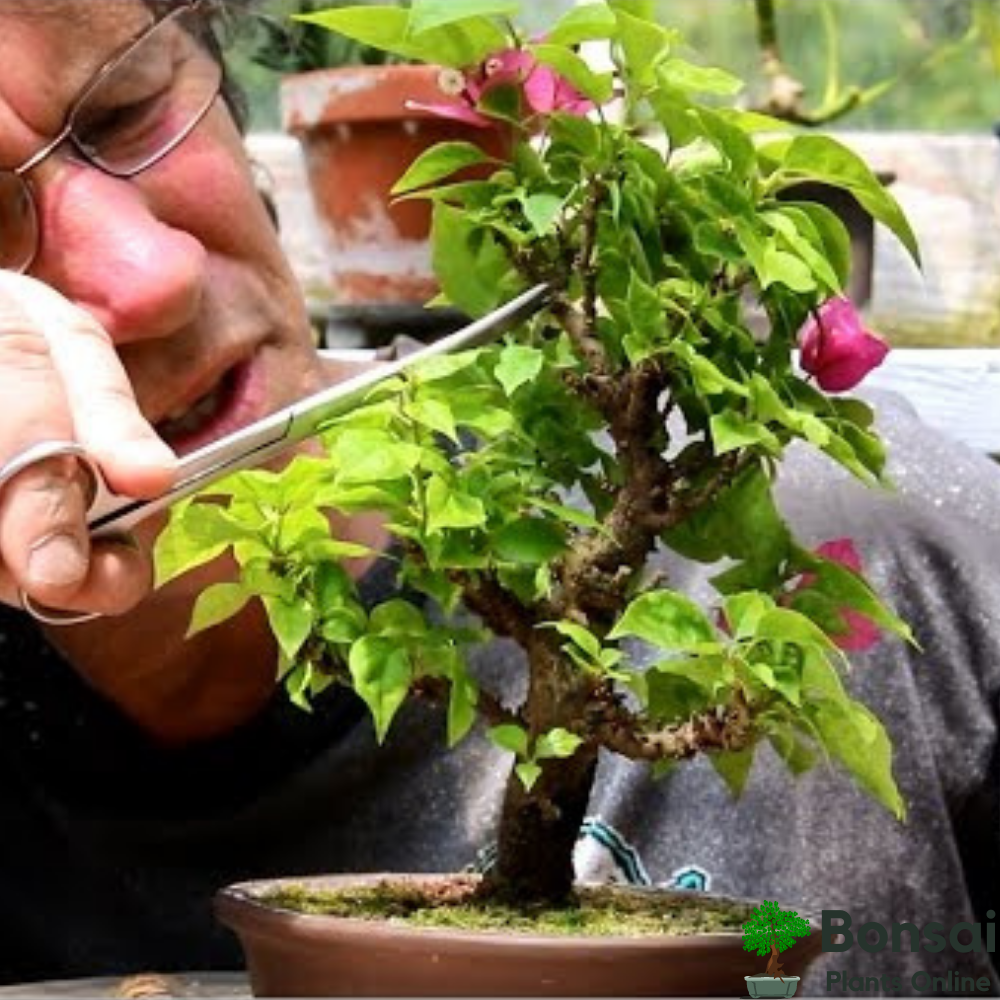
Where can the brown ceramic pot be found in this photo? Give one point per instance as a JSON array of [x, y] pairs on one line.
[[358, 137], [295, 954]]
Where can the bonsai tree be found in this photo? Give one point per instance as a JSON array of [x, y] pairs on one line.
[[773, 930], [531, 486]]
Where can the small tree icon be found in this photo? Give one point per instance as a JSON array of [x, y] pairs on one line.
[[773, 930]]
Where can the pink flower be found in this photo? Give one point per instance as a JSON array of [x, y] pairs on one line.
[[538, 87], [861, 633], [837, 349], [546, 91]]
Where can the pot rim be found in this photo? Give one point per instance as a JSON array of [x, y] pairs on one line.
[[322, 98], [240, 903]]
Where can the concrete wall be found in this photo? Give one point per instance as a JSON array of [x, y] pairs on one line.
[[949, 187]]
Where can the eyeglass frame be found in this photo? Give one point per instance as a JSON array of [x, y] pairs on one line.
[[66, 133]]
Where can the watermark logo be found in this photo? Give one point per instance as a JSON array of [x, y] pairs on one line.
[[770, 931], [964, 937]]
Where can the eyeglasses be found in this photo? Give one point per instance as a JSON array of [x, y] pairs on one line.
[[141, 104]]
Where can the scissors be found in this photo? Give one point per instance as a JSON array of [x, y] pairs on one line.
[[111, 514]]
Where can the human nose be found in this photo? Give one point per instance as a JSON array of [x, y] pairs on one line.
[[104, 248]]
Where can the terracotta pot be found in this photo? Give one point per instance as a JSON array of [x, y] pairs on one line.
[[295, 954], [358, 138]]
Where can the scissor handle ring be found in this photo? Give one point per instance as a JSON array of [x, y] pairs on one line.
[[39, 452], [32, 455]]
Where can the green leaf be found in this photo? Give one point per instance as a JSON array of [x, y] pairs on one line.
[[733, 766], [732, 141], [389, 28], [196, 534], [297, 682], [780, 267], [692, 78], [397, 618], [786, 222], [708, 377], [216, 604], [426, 14], [835, 240], [291, 622], [672, 697], [529, 773], [463, 696], [510, 737], [438, 162], [558, 743], [645, 44], [518, 365], [342, 625], [731, 430], [581, 636], [583, 24], [579, 134], [570, 515], [542, 210], [845, 588], [260, 577], [449, 508], [822, 158], [472, 268], [786, 625], [744, 612], [434, 414], [598, 87], [381, 26], [380, 669], [852, 735], [666, 619], [792, 749], [647, 324], [783, 674], [367, 457], [744, 523], [530, 541]]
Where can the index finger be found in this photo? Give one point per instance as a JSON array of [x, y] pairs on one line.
[[81, 384]]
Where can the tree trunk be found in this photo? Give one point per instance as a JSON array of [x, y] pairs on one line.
[[538, 831], [539, 827], [774, 963]]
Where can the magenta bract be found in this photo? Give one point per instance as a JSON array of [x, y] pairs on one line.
[[836, 349]]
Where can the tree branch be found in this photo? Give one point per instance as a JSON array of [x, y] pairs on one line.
[[624, 732]]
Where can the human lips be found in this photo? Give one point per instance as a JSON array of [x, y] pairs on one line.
[[236, 399]]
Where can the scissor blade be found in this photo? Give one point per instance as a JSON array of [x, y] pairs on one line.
[[266, 438]]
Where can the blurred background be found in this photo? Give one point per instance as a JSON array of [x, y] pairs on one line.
[[875, 40], [913, 86]]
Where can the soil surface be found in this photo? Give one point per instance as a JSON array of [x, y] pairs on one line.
[[453, 902]]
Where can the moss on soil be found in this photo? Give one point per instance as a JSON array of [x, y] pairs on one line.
[[598, 911]]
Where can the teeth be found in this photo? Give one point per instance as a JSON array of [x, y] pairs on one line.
[[185, 420]]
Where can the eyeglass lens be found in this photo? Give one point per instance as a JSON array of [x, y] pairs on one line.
[[134, 112]]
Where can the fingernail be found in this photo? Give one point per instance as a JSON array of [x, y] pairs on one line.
[[57, 560]]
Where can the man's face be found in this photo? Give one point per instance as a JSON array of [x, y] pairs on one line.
[[180, 264]]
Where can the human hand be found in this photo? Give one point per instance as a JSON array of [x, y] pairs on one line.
[[61, 380]]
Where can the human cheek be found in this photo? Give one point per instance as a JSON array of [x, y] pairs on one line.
[[207, 185]]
